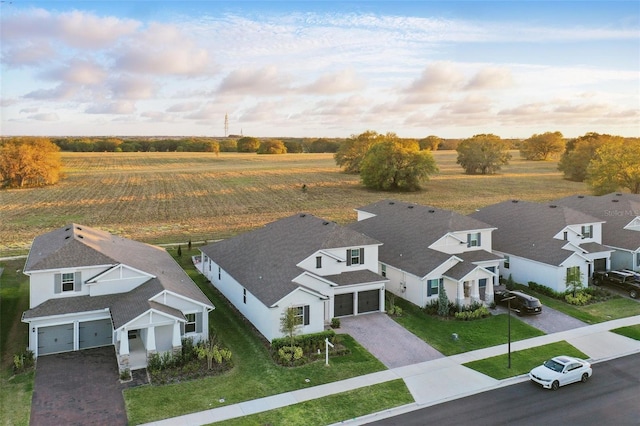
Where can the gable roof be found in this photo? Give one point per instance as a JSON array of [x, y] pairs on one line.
[[264, 261], [407, 230], [527, 229], [76, 246], [617, 210]]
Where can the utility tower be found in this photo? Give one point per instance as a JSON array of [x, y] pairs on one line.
[[226, 125]]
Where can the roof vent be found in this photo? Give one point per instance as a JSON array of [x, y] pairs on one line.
[[618, 194], [67, 237], [580, 196], [67, 229], [615, 201], [432, 211], [410, 207], [391, 203], [302, 215], [80, 236], [78, 228], [553, 206], [514, 201], [325, 223]]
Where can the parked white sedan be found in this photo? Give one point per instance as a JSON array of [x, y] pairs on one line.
[[560, 371]]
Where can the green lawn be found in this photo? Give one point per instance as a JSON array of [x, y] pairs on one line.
[[472, 335], [632, 331], [344, 406], [615, 308], [255, 375], [522, 361]]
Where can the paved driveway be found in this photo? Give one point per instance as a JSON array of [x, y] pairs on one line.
[[388, 341], [78, 388], [549, 321]]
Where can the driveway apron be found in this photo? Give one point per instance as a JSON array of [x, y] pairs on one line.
[[549, 321], [78, 388], [388, 341]]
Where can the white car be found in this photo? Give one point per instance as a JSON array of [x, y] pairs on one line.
[[560, 371]]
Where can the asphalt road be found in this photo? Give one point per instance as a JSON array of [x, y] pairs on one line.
[[609, 398]]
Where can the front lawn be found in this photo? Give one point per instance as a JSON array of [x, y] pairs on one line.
[[522, 361], [255, 374], [632, 331], [472, 335], [344, 406]]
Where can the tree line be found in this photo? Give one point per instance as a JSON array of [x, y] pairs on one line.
[[384, 161]]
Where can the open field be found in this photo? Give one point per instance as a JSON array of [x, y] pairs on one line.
[[172, 197]]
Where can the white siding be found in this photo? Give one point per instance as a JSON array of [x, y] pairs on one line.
[[42, 284], [118, 280]]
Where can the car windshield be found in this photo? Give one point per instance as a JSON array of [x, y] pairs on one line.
[[553, 365], [533, 303]]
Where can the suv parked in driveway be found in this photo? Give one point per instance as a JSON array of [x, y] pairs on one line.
[[626, 281], [522, 304]]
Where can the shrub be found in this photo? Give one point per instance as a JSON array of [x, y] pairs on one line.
[[468, 315], [125, 374], [547, 291], [312, 341], [290, 354], [511, 284], [335, 322], [395, 311], [580, 298]]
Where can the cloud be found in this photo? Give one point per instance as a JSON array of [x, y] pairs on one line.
[[267, 80], [436, 77], [120, 108], [132, 87], [77, 72], [50, 116], [491, 78], [77, 29], [61, 92], [184, 107], [330, 84], [28, 53]]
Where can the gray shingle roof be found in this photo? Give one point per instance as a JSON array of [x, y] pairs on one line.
[[526, 229], [77, 246], [264, 260], [407, 230], [616, 209], [355, 277]]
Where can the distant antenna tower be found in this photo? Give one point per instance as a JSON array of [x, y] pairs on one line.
[[226, 125]]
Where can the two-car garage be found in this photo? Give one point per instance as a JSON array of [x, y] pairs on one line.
[[360, 302], [64, 338]]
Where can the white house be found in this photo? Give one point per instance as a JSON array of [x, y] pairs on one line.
[[543, 243], [301, 262], [89, 288], [620, 213], [423, 247]]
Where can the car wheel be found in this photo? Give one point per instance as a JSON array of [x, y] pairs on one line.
[[633, 294], [585, 378], [555, 385]]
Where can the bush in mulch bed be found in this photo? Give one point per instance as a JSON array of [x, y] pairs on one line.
[[169, 368], [307, 348]]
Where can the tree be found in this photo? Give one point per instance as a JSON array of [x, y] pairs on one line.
[[579, 152], [483, 154], [573, 280], [393, 166], [210, 350], [615, 165], [430, 142], [272, 146], [443, 302], [290, 323], [543, 146], [352, 151], [248, 144], [28, 162]]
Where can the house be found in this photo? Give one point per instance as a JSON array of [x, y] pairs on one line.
[[544, 243], [302, 262], [621, 227], [89, 288], [424, 247]]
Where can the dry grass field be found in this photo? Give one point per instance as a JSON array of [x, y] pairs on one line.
[[174, 197]]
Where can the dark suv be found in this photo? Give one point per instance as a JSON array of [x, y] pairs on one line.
[[522, 304], [627, 281]]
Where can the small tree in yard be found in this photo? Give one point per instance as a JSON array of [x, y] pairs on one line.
[[210, 350], [574, 281], [290, 323], [443, 302]]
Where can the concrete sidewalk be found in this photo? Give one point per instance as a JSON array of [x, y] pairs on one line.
[[447, 375]]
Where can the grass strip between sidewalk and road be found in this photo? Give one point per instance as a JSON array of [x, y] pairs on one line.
[[522, 361], [333, 408], [632, 331]]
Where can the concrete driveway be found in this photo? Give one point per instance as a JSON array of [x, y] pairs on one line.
[[387, 340], [549, 321], [76, 388]]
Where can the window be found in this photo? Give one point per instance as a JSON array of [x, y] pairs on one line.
[[506, 262], [355, 256], [190, 326], [573, 273], [637, 259], [318, 262], [244, 295], [565, 235], [302, 314], [67, 282], [587, 231], [383, 269], [433, 286], [473, 240], [219, 273]]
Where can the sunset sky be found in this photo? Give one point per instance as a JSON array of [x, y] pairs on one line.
[[319, 69]]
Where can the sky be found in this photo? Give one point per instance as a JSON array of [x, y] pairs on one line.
[[319, 68]]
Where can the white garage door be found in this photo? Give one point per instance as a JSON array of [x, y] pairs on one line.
[[54, 339], [95, 333]]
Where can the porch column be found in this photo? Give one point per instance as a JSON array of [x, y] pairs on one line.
[[488, 293], [383, 308], [176, 341], [151, 339], [460, 293], [124, 342], [475, 291], [355, 303]]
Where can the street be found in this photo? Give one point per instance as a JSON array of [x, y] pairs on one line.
[[610, 397]]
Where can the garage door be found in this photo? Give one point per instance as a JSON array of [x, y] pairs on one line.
[[343, 305], [600, 264], [57, 338], [368, 301], [95, 333]]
